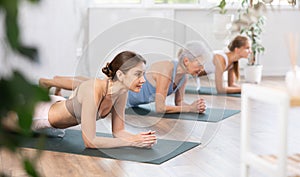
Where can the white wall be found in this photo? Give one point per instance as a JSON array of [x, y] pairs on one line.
[[278, 25], [55, 26], [276, 60], [114, 30]]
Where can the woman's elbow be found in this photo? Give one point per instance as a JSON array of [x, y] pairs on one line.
[[118, 133], [160, 109], [89, 145], [88, 142], [221, 90]]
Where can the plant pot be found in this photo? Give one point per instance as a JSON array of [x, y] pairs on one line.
[[253, 73]]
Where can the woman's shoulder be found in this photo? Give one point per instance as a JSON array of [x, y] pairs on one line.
[[96, 80], [220, 54], [94, 83], [162, 66], [99, 83], [219, 58], [163, 62]]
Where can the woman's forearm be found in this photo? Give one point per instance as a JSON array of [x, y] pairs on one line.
[[105, 142], [122, 134], [123, 139], [172, 109], [233, 89]]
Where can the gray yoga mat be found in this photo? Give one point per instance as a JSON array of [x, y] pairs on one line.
[[72, 143], [210, 115], [208, 91]]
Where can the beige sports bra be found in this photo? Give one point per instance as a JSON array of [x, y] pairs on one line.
[[75, 108]]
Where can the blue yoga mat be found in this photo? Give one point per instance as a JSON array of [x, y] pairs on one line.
[[208, 91], [210, 115], [72, 143]]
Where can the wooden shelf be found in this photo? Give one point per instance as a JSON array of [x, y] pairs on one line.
[[293, 163]]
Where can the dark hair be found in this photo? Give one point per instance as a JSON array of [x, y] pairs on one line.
[[237, 42], [124, 61]]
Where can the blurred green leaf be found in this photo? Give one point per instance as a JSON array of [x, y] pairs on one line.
[[2, 174], [222, 6], [12, 28], [10, 8], [34, 1], [19, 95], [29, 167], [9, 140], [30, 52]]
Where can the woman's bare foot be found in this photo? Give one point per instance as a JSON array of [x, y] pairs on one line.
[[10, 122], [43, 83], [57, 91]]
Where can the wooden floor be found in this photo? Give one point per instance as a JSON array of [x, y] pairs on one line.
[[219, 155]]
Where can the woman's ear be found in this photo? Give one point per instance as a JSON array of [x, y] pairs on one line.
[[186, 61], [120, 75], [236, 50]]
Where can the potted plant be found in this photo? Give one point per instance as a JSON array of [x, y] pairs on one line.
[[222, 21], [251, 22]]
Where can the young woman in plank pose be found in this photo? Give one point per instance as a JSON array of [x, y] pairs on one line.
[[94, 99], [239, 48]]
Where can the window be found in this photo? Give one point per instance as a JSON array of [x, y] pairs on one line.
[[204, 3], [176, 1], [117, 1], [282, 2]]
